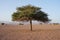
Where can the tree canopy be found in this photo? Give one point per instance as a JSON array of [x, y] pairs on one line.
[[25, 13]]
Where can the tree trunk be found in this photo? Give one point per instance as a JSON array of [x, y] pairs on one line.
[[31, 24]]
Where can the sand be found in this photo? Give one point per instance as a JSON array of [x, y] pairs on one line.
[[22, 32]]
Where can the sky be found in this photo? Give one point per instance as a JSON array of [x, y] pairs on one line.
[[51, 7]]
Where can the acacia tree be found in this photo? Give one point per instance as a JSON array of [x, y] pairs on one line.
[[29, 13]]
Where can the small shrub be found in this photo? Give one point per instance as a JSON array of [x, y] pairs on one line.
[[41, 23], [21, 24], [55, 23], [2, 23]]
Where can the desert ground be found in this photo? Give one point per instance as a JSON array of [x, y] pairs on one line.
[[22, 32]]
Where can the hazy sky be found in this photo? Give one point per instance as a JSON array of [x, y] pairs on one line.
[[51, 7]]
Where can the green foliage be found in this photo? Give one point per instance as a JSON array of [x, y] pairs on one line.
[[41, 16], [29, 12]]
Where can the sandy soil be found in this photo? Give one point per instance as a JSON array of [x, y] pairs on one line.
[[22, 32]]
